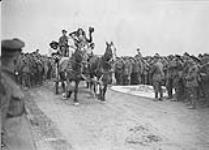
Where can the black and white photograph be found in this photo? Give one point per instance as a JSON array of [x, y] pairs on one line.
[[104, 74]]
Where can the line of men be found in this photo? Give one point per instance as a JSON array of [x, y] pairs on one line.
[[175, 73], [187, 75], [33, 69]]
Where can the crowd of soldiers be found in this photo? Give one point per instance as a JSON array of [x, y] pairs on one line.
[[187, 75], [15, 125], [32, 69]]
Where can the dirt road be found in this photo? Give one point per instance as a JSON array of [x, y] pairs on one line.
[[125, 122]]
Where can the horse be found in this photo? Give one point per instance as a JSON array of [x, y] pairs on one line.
[[69, 70], [101, 72]]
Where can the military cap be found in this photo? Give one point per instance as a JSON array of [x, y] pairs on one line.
[[194, 58], [186, 54], [178, 56], [200, 55], [156, 55], [11, 47], [205, 54], [64, 31]]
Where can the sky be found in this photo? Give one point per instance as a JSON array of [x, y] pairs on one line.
[[163, 26]]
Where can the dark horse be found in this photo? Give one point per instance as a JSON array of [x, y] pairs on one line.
[[69, 70], [101, 71]]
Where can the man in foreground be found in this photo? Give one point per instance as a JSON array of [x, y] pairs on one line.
[[16, 134]]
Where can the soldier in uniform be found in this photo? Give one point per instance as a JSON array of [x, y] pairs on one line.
[[15, 124], [192, 83], [157, 76], [63, 43], [186, 58], [171, 73], [204, 74], [178, 80]]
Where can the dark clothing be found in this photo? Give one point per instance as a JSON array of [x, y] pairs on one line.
[[15, 125], [63, 42], [157, 76]]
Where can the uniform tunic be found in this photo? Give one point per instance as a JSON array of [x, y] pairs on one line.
[[15, 125]]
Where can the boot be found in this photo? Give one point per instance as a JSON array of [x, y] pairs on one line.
[[69, 94], [156, 96]]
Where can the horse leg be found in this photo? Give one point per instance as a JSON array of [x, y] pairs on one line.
[[57, 87], [28, 78], [104, 92], [68, 90], [76, 93], [63, 86], [92, 89], [100, 96]]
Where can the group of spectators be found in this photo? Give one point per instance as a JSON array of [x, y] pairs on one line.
[[32, 69], [187, 76]]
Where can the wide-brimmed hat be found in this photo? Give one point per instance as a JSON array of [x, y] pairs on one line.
[[53, 43]]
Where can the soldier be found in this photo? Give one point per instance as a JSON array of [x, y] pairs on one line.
[[145, 71], [178, 80], [138, 53], [15, 124], [54, 48], [127, 70], [192, 83], [157, 76], [119, 67], [204, 73], [186, 58], [63, 42], [135, 72], [171, 74]]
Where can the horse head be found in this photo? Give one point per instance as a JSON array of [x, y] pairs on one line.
[[108, 52]]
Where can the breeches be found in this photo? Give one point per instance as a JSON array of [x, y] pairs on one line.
[[157, 85]]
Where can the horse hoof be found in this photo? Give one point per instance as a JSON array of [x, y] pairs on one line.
[[76, 104], [64, 98]]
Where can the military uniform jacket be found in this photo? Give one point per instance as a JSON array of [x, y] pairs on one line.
[[11, 96], [192, 76], [156, 72], [63, 41]]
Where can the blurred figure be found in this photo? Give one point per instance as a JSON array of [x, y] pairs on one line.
[[63, 44], [192, 83], [80, 40], [157, 76], [15, 124]]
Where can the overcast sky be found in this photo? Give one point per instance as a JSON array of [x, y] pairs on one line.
[[164, 26]]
